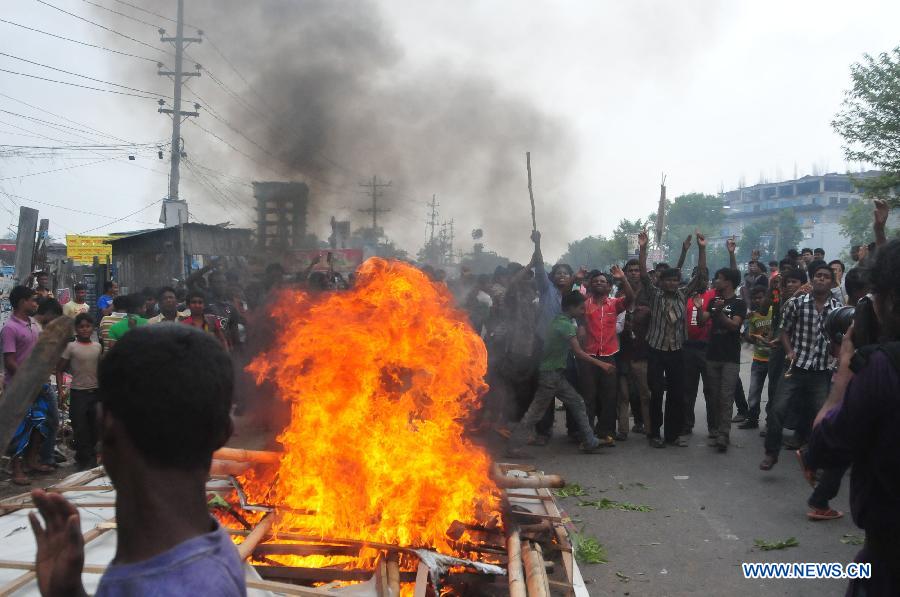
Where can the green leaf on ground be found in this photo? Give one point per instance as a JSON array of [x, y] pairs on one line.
[[853, 540], [217, 501], [622, 577], [588, 550], [608, 504], [770, 545], [573, 490]]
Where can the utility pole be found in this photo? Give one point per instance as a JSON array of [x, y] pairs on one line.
[[179, 41], [375, 192], [449, 236]]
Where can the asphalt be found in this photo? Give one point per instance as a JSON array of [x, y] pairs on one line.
[[707, 510]]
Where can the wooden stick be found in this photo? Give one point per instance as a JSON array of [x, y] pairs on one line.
[[239, 455], [514, 566], [535, 573], [261, 529], [530, 482], [381, 580], [530, 191], [393, 574], [522, 496], [32, 374], [286, 589], [228, 467], [7, 508]]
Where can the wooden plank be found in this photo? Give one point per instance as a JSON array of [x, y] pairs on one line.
[[261, 529], [321, 574], [514, 566]]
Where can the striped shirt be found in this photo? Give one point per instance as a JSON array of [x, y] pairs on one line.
[[667, 311], [804, 327]]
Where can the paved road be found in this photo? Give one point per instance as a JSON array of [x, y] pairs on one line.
[[707, 510]]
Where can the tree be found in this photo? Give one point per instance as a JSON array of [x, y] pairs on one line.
[[856, 224], [771, 236], [869, 120], [685, 215], [593, 251]]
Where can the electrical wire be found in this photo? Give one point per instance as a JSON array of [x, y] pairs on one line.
[[80, 18], [56, 170], [12, 72], [72, 209], [157, 27], [149, 205], [74, 74], [45, 111], [83, 43]]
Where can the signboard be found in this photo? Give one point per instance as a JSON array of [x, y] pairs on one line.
[[345, 260], [83, 249]]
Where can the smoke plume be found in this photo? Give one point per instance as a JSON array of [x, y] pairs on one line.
[[332, 100]]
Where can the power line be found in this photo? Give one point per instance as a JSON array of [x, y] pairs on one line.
[[74, 74], [56, 170], [75, 41], [123, 217], [12, 72], [45, 111], [80, 18], [72, 209], [155, 26]]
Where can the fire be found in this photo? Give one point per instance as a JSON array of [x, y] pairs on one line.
[[380, 380]]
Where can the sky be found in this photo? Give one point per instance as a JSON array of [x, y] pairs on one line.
[[709, 93]]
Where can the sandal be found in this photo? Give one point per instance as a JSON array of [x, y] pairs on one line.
[[657, 442], [824, 514], [21, 480], [768, 462]]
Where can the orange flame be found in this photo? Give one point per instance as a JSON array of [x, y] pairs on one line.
[[379, 380]]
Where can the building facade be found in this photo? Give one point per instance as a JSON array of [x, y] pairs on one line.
[[819, 203]]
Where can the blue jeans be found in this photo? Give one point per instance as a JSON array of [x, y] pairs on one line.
[[799, 387], [759, 371]]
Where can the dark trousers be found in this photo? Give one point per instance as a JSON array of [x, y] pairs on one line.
[[48, 446], [827, 488], [666, 369], [83, 413], [694, 371], [598, 388], [759, 371], [740, 398], [800, 386]]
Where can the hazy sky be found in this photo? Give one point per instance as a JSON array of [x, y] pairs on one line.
[[707, 92]]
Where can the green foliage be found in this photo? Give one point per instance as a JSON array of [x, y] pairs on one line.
[[594, 252], [573, 490], [869, 120], [608, 504], [856, 223], [853, 540], [771, 545], [685, 215], [761, 235], [588, 550]]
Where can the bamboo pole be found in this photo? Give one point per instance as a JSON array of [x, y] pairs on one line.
[[393, 574], [228, 467], [261, 529], [255, 456], [514, 565], [530, 191], [535, 573], [7, 508], [530, 482]]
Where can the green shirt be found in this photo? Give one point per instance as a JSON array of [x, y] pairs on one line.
[[760, 325], [556, 345], [118, 329]]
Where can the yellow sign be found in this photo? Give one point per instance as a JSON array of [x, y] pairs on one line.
[[83, 249]]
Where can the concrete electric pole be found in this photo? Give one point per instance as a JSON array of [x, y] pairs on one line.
[[177, 75]]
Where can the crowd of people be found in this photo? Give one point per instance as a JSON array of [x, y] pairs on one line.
[[623, 351]]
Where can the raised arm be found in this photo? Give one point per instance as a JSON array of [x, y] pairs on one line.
[[643, 240], [880, 217], [699, 282], [731, 245], [685, 246], [537, 262], [627, 290]]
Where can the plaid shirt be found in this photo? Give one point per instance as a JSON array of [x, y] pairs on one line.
[[804, 327], [667, 312]]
